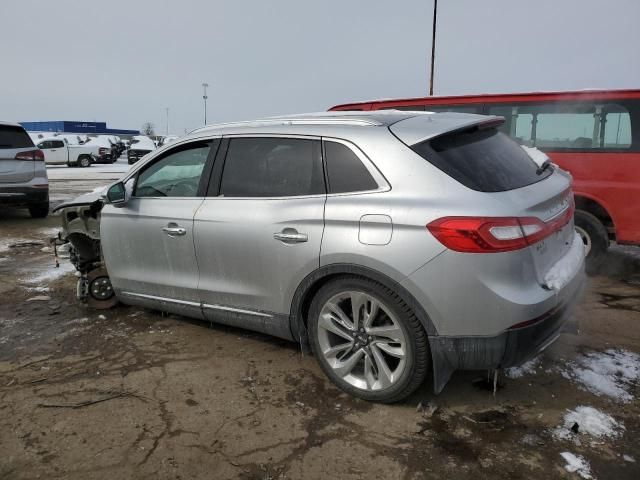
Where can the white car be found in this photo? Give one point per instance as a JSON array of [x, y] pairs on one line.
[[57, 151]]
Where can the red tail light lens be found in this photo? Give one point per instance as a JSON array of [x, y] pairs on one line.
[[30, 155], [494, 234]]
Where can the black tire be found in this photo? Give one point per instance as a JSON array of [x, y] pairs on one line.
[[40, 210], [595, 236], [417, 350], [84, 161]]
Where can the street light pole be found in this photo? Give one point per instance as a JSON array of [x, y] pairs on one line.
[[204, 97], [433, 45]]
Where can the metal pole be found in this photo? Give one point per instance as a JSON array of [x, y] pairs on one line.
[[167, 120], [204, 97], [433, 45]]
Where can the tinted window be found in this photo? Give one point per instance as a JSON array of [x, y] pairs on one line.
[[345, 171], [272, 167], [14, 137], [175, 175], [484, 160], [57, 144], [580, 126]]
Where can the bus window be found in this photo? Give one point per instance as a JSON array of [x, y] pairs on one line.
[[578, 126], [454, 108], [409, 108], [518, 123]]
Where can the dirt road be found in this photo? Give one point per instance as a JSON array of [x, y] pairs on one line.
[[130, 393]]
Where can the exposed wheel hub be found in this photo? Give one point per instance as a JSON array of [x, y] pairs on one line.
[[101, 289]]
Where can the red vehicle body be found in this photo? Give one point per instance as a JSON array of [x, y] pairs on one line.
[[595, 135]]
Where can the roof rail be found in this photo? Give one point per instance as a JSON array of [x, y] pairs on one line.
[[361, 122]]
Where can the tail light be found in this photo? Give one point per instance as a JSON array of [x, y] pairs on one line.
[[30, 155], [102, 151], [495, 234]]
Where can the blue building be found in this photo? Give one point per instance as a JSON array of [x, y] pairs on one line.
[[67, 126]]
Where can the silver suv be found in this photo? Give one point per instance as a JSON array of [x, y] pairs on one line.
[[23, 175], [392, 243]]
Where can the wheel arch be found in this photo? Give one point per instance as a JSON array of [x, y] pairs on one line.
[[307, 289], [598, 209]]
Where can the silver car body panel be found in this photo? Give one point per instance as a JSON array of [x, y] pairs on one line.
[[230, 268]]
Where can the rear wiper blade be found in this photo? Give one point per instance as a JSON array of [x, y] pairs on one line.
[[545, 165]]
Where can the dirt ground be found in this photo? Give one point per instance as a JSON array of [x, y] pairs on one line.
[[131, 393]]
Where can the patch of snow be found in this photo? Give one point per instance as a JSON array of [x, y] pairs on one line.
[[591, 421], [576, 464], [566, 268], [527, 368], [628, 458], [612, 373], [48, 275], [536, 155]]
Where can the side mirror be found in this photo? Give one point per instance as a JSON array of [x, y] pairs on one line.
[[117, 195]]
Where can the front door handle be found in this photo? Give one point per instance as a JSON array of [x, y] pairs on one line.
[[291, 235], [173, 230]]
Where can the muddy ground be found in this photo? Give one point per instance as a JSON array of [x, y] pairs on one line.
[[131, 393]]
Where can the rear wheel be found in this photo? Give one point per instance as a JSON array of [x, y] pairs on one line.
[[595, 238], [367, 340], [40, 210]]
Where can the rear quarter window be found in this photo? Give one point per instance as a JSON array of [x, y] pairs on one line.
[[485, 160], [14, 137], [345, 171]]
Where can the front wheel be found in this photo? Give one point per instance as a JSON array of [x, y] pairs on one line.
[[595, 237], [367, 340], [84, 162]]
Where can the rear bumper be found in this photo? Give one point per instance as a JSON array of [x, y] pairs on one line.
[[510, 348], [23, 196]]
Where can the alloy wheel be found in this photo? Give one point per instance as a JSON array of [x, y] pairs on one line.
[[362, 340]]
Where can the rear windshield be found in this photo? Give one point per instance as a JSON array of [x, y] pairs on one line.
[[14, 137], [482, 159]]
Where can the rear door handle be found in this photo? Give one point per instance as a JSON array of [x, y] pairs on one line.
[[174, 230], [290, 235]]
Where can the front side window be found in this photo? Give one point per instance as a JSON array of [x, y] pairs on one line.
[[272, 167], [345, 171], [176, 174]]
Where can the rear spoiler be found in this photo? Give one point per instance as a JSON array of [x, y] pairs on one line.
[[420, 128]]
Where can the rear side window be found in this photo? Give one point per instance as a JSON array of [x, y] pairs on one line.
[[14, 137], [485, 160], [345, 171], [272, 167]]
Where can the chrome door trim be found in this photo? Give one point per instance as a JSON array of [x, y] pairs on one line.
[[197, 304], [235, 310], [162, 299]]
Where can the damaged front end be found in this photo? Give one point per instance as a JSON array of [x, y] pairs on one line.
[[80, 221]]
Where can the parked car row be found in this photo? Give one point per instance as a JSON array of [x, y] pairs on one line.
[[23, 176]]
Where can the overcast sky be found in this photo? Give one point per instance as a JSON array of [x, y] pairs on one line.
[[125, 61]]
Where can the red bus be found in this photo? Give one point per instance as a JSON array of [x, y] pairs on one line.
[[595, 135]]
